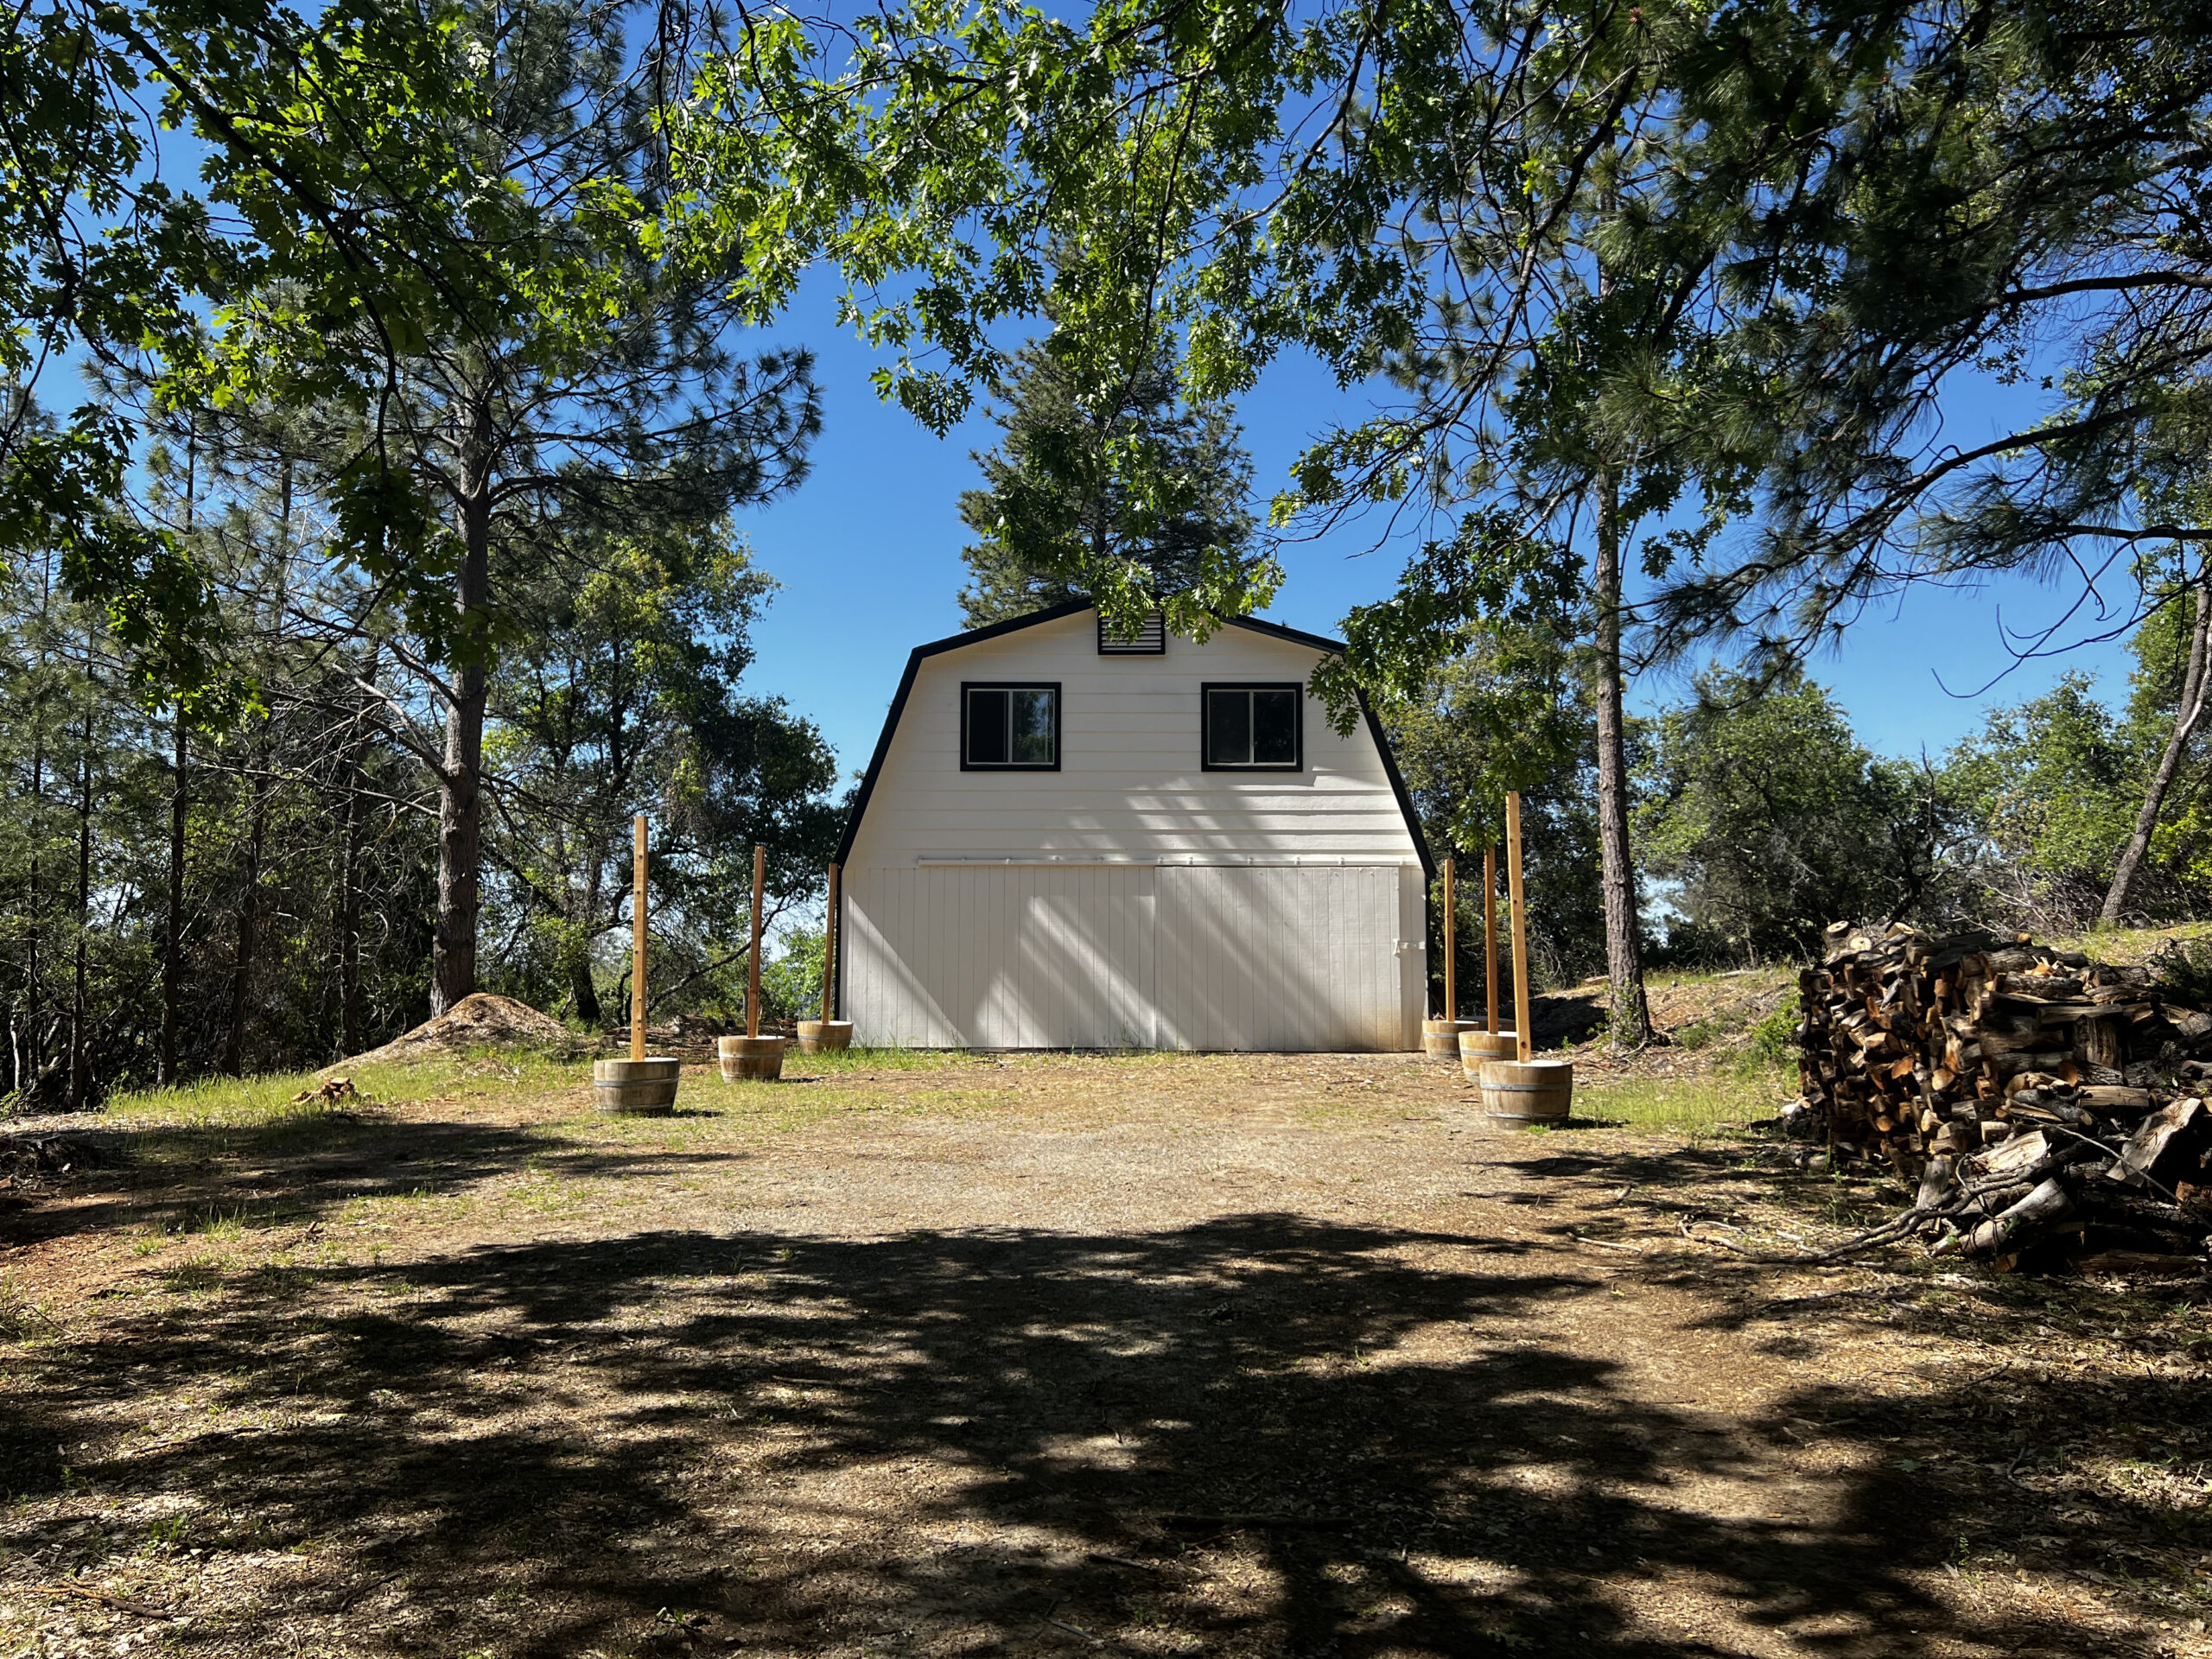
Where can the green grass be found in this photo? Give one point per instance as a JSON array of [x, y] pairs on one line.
[[265, 1111], [1751, 980], [1693, 1106], [837, 1062], [264, 1116], [225, 1101], [263, 1101], [21, 1317]]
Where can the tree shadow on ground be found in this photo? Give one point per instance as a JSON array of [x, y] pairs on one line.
[[294, 1169], [2099, 1475], [1264, 1435]]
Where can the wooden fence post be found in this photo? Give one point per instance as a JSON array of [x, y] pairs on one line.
[[1490, 931], [1525, 1038], [753, 972], [829, 953], [1451, 951], [637, 942]]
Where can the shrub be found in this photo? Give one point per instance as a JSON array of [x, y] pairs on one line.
[[1773, 1039]]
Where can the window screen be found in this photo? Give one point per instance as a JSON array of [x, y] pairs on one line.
[[1010, 725], [1254, 725]]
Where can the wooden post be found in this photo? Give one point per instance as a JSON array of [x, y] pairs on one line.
[[1490, 931], [753, 972], [1524, 1038], [1451, 954], [637, 944], [829, 953]]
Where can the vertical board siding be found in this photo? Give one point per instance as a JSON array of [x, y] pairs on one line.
[[1412, 956], [1285, 910], [1022, 958], [1280, 958], [1190, 957]]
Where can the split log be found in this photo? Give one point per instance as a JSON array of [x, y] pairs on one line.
[[2150, 1143], [2044, 1204], [1935, 1182], [1902, 1037]]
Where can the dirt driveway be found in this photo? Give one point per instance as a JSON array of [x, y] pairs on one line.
[[1225, 1355]]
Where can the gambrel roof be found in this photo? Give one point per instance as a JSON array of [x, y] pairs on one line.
[[998, 630]]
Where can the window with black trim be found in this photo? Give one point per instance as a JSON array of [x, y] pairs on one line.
[[1253, 727], [1009, 727]]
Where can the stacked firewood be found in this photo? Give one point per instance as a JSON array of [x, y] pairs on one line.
[[2048, 1106]]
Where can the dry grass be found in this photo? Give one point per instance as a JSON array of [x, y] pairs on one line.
[[2133, 944]]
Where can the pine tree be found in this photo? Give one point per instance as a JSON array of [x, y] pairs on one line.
[[1128, 471], [456, 457], [624, 693]]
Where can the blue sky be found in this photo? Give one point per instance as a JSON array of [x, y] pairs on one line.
[[868, 554]]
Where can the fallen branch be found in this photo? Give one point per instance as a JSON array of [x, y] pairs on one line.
[[106, 1601]]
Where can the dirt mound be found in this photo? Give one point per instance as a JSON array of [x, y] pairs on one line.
[[475, 1022]]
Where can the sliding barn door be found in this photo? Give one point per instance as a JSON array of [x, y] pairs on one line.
[[1002, 957], [1222, 957], [1281, 957]]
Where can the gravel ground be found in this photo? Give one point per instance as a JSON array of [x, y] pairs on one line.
[[1284, 1355]]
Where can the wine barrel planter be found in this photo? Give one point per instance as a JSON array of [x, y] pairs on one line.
[[1477, 1048], [757, 1060], [643, 1088], [1527, 1091], [815, 1035], [1439, 1039]]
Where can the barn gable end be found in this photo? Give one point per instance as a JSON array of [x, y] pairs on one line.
[[1128, 896]]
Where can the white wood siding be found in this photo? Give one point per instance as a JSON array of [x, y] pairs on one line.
[[1022, 958], [1279, 957], [1131, 899], [1130, 783], [1271, 956]]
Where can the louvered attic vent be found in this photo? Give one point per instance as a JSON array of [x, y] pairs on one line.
[[1150, 640]]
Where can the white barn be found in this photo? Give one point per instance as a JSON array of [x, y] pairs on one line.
[[1064, 841]]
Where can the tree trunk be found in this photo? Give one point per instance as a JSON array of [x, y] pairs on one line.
[[249, 934], [173, 932], [79, 1086], [2185, 719], [586, 993], [1632, 1017], [349, 896], [453, 975], [582, 986], [33, 910], [460, 843], [349, 918]]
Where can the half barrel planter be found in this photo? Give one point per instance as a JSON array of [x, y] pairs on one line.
[[750, 1059], [1527, 1091], [643, 1088], [815, 1035], [1478, 1047], [1439, 1039]]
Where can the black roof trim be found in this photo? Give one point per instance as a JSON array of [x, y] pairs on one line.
[[975, 635], [1295, 635]]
